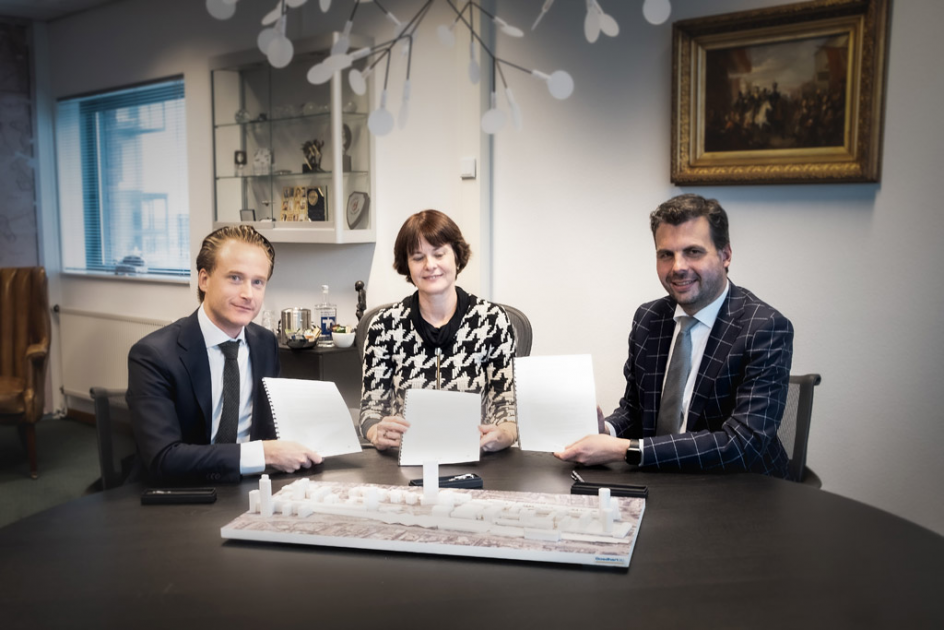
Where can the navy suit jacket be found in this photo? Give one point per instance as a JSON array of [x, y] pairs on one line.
[[739, 396], [169, 396]]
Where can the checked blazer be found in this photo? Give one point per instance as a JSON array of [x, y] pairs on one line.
[[739, 396]]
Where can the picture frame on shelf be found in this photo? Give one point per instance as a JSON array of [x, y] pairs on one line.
[[247, 215], [239, 163], [316, 199], [786, 94], [294, 204], [358, 206]]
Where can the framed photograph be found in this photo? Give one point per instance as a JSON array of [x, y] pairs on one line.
[[294, 204], [247, 215], [788, 94], [317, 200], [358, 204]]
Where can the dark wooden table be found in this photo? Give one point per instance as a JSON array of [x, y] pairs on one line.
[[735, 551]]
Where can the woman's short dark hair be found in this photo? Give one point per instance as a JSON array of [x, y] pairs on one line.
[[682, 208], [214, 241], [438, 230]]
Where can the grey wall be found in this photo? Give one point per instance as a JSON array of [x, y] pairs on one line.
[[18, 234]]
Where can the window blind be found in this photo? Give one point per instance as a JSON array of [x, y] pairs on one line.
[[122, 168]]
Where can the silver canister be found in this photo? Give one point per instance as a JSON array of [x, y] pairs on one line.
[[295, 321]]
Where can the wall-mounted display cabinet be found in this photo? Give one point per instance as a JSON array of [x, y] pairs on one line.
[[293, 159]]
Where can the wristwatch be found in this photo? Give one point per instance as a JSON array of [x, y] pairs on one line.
[[634, 453]]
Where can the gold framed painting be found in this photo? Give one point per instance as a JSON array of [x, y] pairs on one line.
[[787, 94]]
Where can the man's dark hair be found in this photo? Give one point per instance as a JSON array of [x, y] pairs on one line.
[[678, 210]]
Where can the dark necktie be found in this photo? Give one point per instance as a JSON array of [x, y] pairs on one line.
[[670, 410], [229, 419]]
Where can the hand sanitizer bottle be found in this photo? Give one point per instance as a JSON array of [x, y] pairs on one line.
[[327, 316]]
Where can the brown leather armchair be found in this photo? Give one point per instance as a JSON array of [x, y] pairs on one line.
[[24, 351]]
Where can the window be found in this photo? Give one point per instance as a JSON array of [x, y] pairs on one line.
[[122, 161]]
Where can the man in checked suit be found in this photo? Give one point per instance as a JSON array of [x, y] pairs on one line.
[[197, 414], [722, 408]]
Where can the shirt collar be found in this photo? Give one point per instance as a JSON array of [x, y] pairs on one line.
[[212, 335], [709, 314]]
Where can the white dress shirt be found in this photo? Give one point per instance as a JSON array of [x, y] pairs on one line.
[[251, 454]]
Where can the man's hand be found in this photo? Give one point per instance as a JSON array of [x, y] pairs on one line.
[[495, 437], [595, 449], [289, 456], [388, 432]]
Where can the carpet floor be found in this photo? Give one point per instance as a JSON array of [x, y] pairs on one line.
[[67, 453]]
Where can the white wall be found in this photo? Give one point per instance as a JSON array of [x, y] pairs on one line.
[[139, 40], [853, 266]]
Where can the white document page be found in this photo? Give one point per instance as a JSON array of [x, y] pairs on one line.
[[556, 400], [444, 427], [312, 413]]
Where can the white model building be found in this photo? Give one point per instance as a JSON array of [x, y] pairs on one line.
[[449, 510]]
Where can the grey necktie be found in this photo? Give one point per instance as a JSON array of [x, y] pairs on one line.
[[229, 419], [670, 410]]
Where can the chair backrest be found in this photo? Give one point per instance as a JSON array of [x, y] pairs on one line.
[[794, 429], [116, 447], [24, 321], [519, 323], [522, 327]]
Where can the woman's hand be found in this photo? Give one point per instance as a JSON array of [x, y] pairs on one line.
[[388, 432], [495, 437]]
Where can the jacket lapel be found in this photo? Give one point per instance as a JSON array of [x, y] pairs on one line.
[[193, 356], [723, 335]]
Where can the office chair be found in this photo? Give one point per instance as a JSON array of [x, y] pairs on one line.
[[794, 431], [117, 452], [519, 323]]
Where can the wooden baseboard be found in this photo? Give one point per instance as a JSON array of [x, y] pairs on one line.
[[81, 416]]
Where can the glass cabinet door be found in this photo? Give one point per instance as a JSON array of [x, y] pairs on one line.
[[291, 157]]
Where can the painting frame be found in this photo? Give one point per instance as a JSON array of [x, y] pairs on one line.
[[827, 129]]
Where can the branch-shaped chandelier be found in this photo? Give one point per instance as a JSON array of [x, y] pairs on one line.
[[279, 51]]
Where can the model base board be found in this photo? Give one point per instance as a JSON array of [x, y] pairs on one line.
[[575, 529]]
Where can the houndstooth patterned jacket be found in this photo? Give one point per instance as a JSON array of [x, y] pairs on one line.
[[478, 360], [740, 391]]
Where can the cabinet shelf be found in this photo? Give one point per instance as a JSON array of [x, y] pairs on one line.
[[290, 119], [335, 198], [317, 175]]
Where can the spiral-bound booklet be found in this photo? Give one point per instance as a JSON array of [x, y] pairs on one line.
[[312, 413], [556, 400]]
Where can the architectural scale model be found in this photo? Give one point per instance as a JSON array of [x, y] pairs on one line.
[[576, 529]]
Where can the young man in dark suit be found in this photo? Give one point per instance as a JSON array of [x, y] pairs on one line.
[[708, 367], [198, 408]]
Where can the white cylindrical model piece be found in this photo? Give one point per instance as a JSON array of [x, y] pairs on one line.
[[265, 495], [604, 494], [372, 499], [430, 481], [254, 501]]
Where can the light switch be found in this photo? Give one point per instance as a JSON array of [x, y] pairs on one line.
[[467, 168]]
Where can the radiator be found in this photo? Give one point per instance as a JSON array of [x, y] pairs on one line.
[[94, 348]]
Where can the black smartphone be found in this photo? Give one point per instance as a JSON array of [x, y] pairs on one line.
[[466, 480], [167, 496]]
